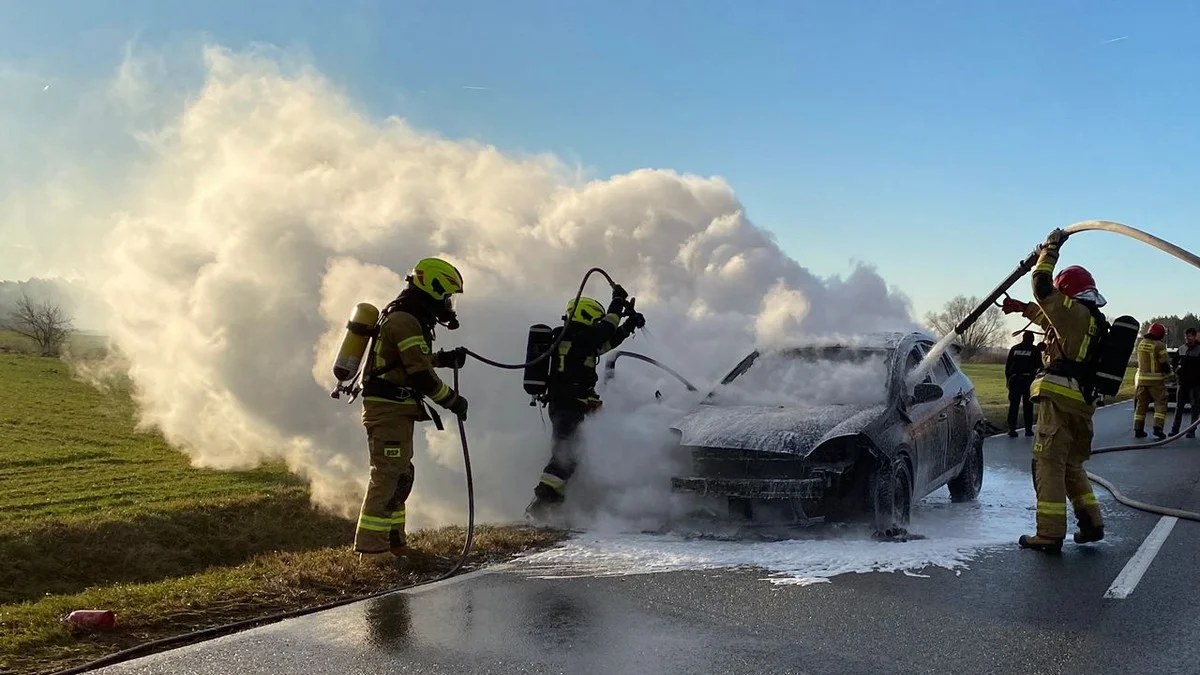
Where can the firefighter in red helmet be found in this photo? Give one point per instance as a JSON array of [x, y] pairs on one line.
[[1151, 381], [1067, 307]]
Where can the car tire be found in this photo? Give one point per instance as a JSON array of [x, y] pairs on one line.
[[966, 485], [889, 495]]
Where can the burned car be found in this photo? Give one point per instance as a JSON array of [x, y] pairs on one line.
[[835, 433]]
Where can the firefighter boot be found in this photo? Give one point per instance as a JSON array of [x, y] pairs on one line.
[[376, 560], [1158, 432], [1088, 534], [1088, 531], [1040, 543], [410, 558], [544, 511]]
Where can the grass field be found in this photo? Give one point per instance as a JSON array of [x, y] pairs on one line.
[[95, 515], [993, 393]]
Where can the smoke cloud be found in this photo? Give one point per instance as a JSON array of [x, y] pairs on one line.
[[263, 204]]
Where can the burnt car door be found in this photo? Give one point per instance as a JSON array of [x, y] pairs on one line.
[[927, 427], [956, 396]]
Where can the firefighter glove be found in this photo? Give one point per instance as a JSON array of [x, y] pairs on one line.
[[454, 358], [1012, 306], [1055, 239], [638, 320], [618, 305], [459, 407]]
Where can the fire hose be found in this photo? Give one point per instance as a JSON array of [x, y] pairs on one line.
[[216, 631], [1023, 268]]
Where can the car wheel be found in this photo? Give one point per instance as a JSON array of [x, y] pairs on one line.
[[966, 485], [890, 496]]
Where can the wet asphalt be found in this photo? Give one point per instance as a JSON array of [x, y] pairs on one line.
[[1012, 611]]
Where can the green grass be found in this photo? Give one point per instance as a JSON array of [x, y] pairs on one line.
[[993, 393], [94, 514]]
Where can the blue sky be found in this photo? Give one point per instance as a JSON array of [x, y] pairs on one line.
[[939, 141]]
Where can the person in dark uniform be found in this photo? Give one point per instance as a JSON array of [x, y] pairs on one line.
[[1188, 372], [1024, 361]]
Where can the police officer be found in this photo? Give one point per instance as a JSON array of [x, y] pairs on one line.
[[1024, 361], [1067, 307], [396, 382], [571, 388]]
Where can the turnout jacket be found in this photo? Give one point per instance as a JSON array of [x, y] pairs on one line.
[[1070, 329], [573, 375], [1153, 363], [405, 345]]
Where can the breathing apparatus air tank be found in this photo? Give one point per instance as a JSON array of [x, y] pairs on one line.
[[359, 331], [541, 338], [1113, 359]]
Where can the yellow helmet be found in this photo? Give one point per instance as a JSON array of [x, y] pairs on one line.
[[436, 277], [587, 312]]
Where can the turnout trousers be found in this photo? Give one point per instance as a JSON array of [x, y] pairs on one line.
[[1144, 394], [1062, 444], [390, 442], [564, 452]]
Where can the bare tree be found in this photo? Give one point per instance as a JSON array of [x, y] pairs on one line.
[[982, 334], [46, 323]]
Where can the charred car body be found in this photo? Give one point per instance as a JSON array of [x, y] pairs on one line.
[[846, 457]]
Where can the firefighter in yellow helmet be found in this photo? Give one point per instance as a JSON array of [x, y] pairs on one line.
[[1067, 306], [397, 379], [571, 388], [1153, 367]]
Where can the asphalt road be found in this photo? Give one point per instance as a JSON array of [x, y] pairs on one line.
[[1012, 611]]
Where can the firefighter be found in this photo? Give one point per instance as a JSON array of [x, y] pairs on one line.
[[1151, 381], [571, 388], [1024, 361], [397, 379], [1188, 372], [1066, 306]]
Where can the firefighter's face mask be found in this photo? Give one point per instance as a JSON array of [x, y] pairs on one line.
[[446, 314]]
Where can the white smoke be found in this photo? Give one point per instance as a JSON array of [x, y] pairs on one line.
[[266, 205]]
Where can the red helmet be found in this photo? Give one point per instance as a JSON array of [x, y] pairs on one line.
[[1156, 331], [1073, 280]]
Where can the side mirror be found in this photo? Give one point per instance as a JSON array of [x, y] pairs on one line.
[[926, 392]]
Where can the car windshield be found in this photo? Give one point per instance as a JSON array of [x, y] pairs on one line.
[[807, 376]]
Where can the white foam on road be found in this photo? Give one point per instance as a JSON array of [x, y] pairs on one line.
[[956, 534]]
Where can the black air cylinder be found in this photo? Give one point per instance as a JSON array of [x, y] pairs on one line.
[[541, 337], [1114, 355]]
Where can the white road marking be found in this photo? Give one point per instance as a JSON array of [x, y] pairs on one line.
[[1129, 577]]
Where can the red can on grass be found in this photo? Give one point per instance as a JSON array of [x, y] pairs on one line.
[[103, 619]]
